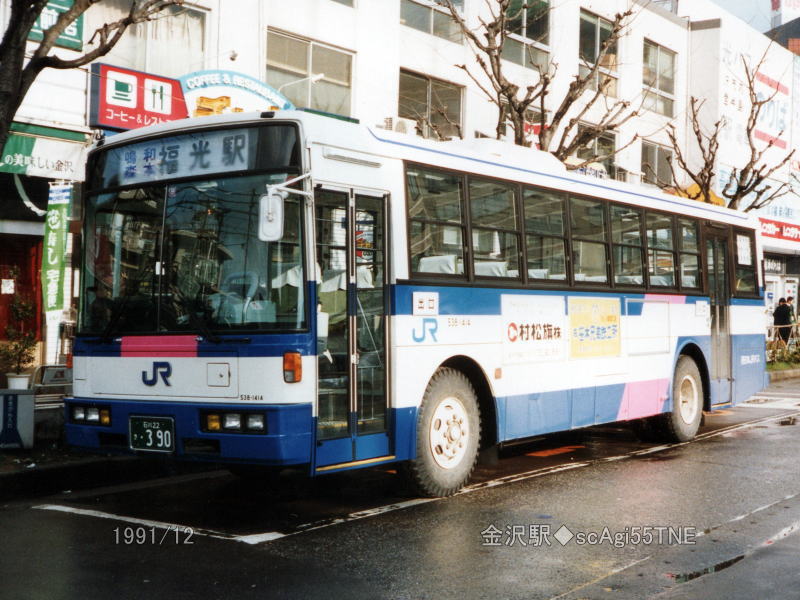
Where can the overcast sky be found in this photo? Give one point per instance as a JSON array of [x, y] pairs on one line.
[[755, 12]]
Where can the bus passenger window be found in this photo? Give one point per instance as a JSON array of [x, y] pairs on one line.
[[544, 234], [745, 265], [589, 250], [660, 250], [626, 235], [435, 227], [690, 254], [495, 241]]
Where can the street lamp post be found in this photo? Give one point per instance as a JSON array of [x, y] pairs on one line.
[[311, 78]]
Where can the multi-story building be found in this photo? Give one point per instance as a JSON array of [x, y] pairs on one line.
[[395, 64]]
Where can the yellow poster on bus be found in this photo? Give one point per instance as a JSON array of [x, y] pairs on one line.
[[594, 327]]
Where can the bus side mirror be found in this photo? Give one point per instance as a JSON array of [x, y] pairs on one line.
[[270, 217]]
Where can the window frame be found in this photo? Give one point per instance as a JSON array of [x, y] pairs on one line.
[[609, 162], [310, 45], [466, 247], [657, 148], [425, 127], [469, 267], [527, 281], [655, 90], [531, 47], [434, 7], [584, 64], [734, 268]]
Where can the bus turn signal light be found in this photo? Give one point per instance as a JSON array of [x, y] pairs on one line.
[[292, 367], [213, 422]]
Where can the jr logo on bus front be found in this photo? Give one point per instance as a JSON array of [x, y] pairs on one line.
[[159, 368]]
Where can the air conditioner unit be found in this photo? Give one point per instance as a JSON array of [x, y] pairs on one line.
[[402, 125]]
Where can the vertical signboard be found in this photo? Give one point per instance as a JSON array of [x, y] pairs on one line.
[[71, 37], [55, 247]]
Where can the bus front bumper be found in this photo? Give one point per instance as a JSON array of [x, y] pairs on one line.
[[285, 440]]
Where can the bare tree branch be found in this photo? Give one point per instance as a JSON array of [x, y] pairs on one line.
[[558, 129], [16, 76]]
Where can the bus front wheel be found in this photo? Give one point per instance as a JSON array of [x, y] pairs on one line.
[[682, 423], [448, 432]]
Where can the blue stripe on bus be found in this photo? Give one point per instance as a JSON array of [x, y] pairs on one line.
[[682, 205], [463, 300]]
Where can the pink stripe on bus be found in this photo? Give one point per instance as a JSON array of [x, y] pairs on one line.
[[159, 345], [665, 298], [643, 398]]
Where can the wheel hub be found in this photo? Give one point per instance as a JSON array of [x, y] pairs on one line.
[[448, 430]]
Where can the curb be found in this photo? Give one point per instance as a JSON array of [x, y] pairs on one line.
[[784, 374], [88, 473]]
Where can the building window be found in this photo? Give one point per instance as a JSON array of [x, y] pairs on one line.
[[172, 45], [668, 5], [528, 31], [593, 32], [434, 104], [658, 78], [603, 146], [426, 16], [656, 164], [291, 62]]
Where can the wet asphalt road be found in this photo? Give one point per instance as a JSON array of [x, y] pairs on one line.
[[732, 497]]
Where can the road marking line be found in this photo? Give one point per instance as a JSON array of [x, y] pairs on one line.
[[136, 521], [607, 575], [269, 536]]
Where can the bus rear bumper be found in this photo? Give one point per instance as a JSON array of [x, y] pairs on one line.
[[287, 438]]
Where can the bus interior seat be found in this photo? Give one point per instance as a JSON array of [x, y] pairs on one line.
[[491, 268], [438, 264]]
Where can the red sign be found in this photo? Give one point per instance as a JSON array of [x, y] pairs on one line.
[[127, 99], [780, 230]]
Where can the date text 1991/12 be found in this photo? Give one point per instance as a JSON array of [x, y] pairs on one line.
[[155, 536], [251, 397]]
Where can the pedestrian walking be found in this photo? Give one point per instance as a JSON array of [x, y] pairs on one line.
[[782, 319]]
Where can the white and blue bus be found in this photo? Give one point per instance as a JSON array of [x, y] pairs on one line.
[[287, 289]]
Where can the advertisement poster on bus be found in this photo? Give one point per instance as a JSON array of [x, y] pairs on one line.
[[594, 327], [534, 328]]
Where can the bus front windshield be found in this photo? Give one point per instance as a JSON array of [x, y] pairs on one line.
[[186, 257]]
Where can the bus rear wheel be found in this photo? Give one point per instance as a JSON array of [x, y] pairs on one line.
[[682, 423], [448, 432]]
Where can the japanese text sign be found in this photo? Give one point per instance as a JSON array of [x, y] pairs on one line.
[[127, 99], [55, 247], [71, 37], [594, 327], [187, 156]]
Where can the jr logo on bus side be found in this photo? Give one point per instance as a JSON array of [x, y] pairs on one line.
[[159, 368], [429, 328]]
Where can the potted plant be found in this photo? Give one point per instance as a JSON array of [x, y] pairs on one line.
[[19, 350]]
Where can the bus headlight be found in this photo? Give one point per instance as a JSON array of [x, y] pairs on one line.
[[78, 413], [93, 415], [232, 421], [255, 422]]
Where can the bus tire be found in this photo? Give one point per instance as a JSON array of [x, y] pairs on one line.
[[448, 434], [682, 423]]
